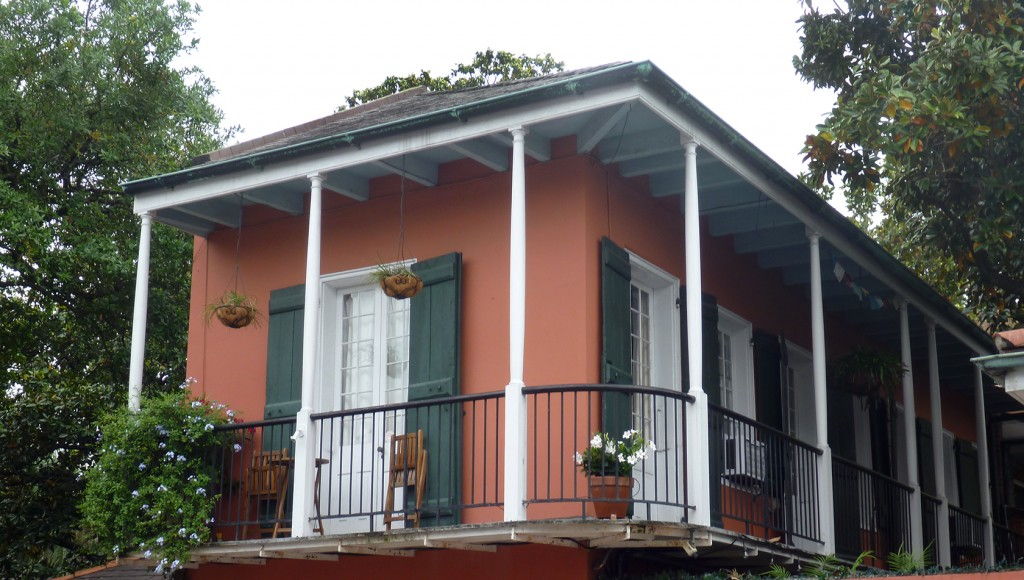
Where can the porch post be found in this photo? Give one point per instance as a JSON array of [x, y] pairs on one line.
[[826, 515], [138, 352], [909, 429], [698, 465], [983, 474], [305, 436], [515, 401], [942, 518]]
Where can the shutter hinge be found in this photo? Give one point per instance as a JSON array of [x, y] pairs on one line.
[[679, 302]]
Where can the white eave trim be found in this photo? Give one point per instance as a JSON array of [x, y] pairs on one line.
[[383, 148]]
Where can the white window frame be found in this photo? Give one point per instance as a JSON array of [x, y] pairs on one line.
[[740, 333], [331, 285], [805, 422], [666, 358]]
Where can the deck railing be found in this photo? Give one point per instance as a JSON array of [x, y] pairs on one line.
[[464, 463], [1009, 545], [966, 537], [254, 480], [562, 419], [764, 482], [929, 523], [872, 512]]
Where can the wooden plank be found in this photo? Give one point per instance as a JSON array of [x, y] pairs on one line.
[[368, 551], [449, 545]]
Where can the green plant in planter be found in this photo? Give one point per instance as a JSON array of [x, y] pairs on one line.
[[397, 280], [606, 456], [150, 491], [234, 310], [904, 562], [868, 371]]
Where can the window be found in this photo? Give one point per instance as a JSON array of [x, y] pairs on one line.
[[735, 362]]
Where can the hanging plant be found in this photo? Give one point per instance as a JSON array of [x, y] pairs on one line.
[[234, 310], [397, 281], [870, 372]]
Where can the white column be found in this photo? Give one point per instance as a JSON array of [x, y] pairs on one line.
[[942, 523], [983, 473], [138, 352], [515, 401], [910, 431], [698, 466], [826, 515], [305, 436]]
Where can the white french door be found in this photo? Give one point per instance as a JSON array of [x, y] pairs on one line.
[[365, 364]]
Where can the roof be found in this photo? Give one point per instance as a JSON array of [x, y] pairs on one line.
[[417, 109], [1010, 340]]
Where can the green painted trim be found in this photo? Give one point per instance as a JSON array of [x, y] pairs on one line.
[[1007, 360]]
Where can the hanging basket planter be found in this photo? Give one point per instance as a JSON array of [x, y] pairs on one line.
[[398, 282], [233, 310]]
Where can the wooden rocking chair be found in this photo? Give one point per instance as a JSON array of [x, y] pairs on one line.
[[408, 469]]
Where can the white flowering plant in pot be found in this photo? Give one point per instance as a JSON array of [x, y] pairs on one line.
[[151, 491], [607, 456]]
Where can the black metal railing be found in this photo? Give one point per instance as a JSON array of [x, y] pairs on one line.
[[872, 512], [764, 483], [254, 480], [966, 537], [1009, 545], [464, 463], [929, 523], [562, 420]]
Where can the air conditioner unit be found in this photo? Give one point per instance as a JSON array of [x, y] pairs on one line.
[[744, 460]]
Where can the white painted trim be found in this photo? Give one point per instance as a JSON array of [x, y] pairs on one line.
[[384, 148], [665, 337], [723, 151], [981, 436], [138, 344], [910, 428], [741, 333], [938, 455], [515, 401], [825, 500]]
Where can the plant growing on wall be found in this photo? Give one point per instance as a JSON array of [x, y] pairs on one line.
[[150, 491]]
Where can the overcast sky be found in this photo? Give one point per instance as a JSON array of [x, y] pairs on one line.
[[277, 64]]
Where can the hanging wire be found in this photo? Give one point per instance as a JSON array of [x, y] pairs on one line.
[[238, 240], [401, 217]]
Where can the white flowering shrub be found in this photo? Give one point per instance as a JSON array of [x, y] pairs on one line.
[[607, 456], [150, 491]]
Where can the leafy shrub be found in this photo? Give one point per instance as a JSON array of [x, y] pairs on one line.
[[150, 491]]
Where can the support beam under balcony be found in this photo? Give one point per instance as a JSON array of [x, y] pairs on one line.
[[826, 514], [698, 466], [515, 401], [305, 446], [942, 520], [910, 428]]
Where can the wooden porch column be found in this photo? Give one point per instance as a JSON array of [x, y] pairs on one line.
[[826, 509], [138, 348], [983, 473], [305, 435], [910, 431], [515, 401], [942, 518], [698, 466]]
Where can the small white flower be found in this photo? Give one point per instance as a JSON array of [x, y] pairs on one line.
[[651, 446], [147, 553], [120, 451], [175, 564], [628, 433], [237, 447], [196, 404], [145, 506], [182, 532], [162, 445], [160, 541], [169, 455], [159, 568], [142, 466], [201, 491], [578, 457], [181, 458], [190, 478], [209, 521], [162, 487], [181, 511], [194, 537], [231, 413], [609, 447], [117, 549], [208, 427], [135, 493], [621, 458]]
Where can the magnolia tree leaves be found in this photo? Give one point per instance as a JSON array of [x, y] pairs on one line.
[[927, 128]]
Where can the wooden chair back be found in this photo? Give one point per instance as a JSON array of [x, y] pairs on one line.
[[408, 468]]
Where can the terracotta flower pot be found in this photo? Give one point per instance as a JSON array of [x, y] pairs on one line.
[[610, 495], [234, 316], [401, 286]]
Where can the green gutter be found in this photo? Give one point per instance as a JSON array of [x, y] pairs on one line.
[[1000, 361]]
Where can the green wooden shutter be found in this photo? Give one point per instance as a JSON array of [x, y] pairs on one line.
[[967, 470], [709, 367], [284, 352], [925, 460], [840, 424], [768, 379], [616, 349], [434, 374]]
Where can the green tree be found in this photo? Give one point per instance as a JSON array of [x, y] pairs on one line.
[[486, 68], [927, 128], [90, 96]]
